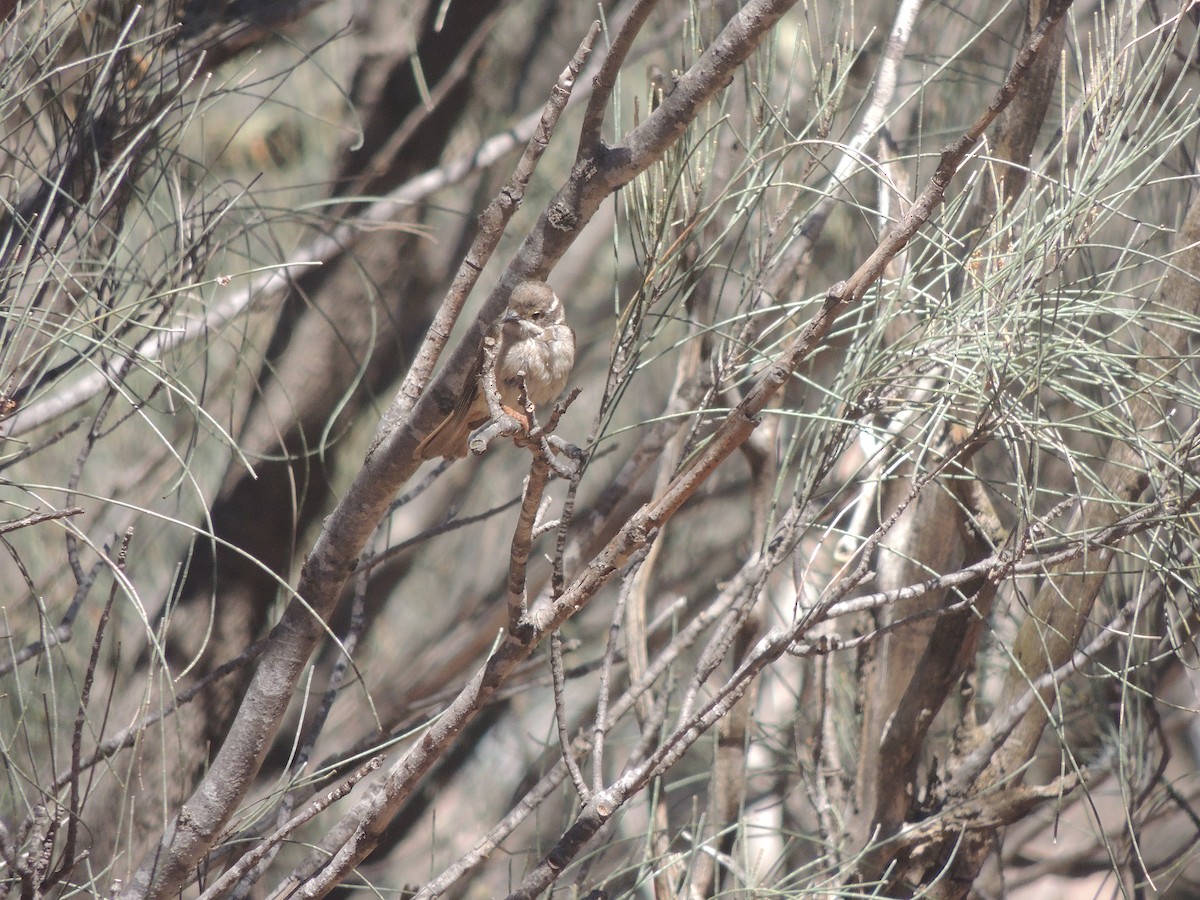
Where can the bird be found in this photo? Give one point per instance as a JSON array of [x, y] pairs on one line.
[[532, 337]]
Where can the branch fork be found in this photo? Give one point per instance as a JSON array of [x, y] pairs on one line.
[[522, 424]]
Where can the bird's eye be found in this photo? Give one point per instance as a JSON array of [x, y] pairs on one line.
[[537, 314]]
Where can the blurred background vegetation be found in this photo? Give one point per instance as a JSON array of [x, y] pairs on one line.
[[949, 580]]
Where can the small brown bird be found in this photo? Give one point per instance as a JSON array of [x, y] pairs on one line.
[[534, 338]]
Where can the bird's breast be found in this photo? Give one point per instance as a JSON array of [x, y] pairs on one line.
[[546, 361]]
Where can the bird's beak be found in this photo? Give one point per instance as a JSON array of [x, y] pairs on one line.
[[510, 317]]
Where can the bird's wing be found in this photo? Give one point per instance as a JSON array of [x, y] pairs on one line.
[[449, 438]]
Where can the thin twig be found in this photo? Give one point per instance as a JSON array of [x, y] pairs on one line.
[[600, 727], [74, 808], [128, 736], [36, 518], [560, 717], [522, 543], [375, 560], [65, 630], [271, 843], [1005, 721]]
